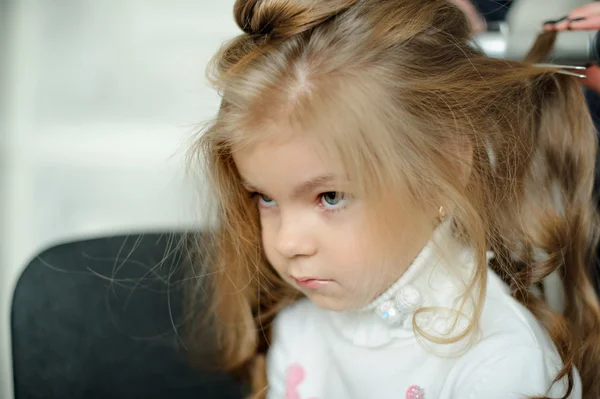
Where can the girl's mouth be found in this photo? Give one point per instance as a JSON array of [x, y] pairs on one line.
[[311, 282]]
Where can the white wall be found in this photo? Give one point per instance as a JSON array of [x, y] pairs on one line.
[[98, 100]]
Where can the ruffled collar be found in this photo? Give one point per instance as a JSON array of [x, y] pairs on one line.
[[436, 279]]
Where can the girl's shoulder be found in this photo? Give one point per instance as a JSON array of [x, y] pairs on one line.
[[514, 350], [505, 321], [512, 357]]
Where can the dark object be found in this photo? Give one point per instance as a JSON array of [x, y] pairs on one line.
[[577, 19], [102, 319], [493, 10], [555, 21]]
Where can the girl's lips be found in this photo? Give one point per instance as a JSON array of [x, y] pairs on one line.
[[311, 282]]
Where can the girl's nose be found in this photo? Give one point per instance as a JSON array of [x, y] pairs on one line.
[[295, 238]]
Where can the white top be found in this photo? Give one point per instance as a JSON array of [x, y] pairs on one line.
[[374, 352]]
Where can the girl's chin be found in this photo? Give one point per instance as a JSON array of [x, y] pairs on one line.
[[332, 303]]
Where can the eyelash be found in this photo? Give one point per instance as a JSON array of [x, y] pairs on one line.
[[254, 196]]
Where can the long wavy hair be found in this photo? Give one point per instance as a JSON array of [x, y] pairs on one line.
[[395, 91]]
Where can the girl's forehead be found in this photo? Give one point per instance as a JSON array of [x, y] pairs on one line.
[[289, 155], [278, 141], [294, 149]]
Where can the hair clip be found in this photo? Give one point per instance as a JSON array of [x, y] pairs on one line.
[[561, 71]]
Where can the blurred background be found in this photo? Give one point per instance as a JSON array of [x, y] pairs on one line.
[[97, 102]]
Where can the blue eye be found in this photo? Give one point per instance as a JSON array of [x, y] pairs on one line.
[[333, 199], [265, 201]]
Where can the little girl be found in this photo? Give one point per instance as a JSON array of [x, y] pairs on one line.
[[391, 202]]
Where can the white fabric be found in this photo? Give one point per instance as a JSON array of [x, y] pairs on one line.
[[320, 354]]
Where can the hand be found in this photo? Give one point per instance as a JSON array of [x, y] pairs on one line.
[[586, 17], [475, 19]]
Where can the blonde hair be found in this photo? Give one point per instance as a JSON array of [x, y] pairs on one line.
[[395, 91]]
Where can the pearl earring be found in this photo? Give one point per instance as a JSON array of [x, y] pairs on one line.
[[441, 214]]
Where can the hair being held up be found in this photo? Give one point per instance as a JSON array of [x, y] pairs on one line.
[[411, 98]]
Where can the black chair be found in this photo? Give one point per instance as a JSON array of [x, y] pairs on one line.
[[102, 319]]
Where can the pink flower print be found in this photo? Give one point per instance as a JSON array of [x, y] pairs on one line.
[[294, 378], [415, 392]]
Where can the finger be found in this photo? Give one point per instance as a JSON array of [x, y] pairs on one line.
[[559, 25], [547, 27], [585, 10], [591, 22], [592, 80], [551, 24]]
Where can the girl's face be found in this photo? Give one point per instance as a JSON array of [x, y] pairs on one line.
[[316, 234]]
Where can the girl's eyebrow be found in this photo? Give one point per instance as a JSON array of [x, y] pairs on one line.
[[301, 189], [311, 184]]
